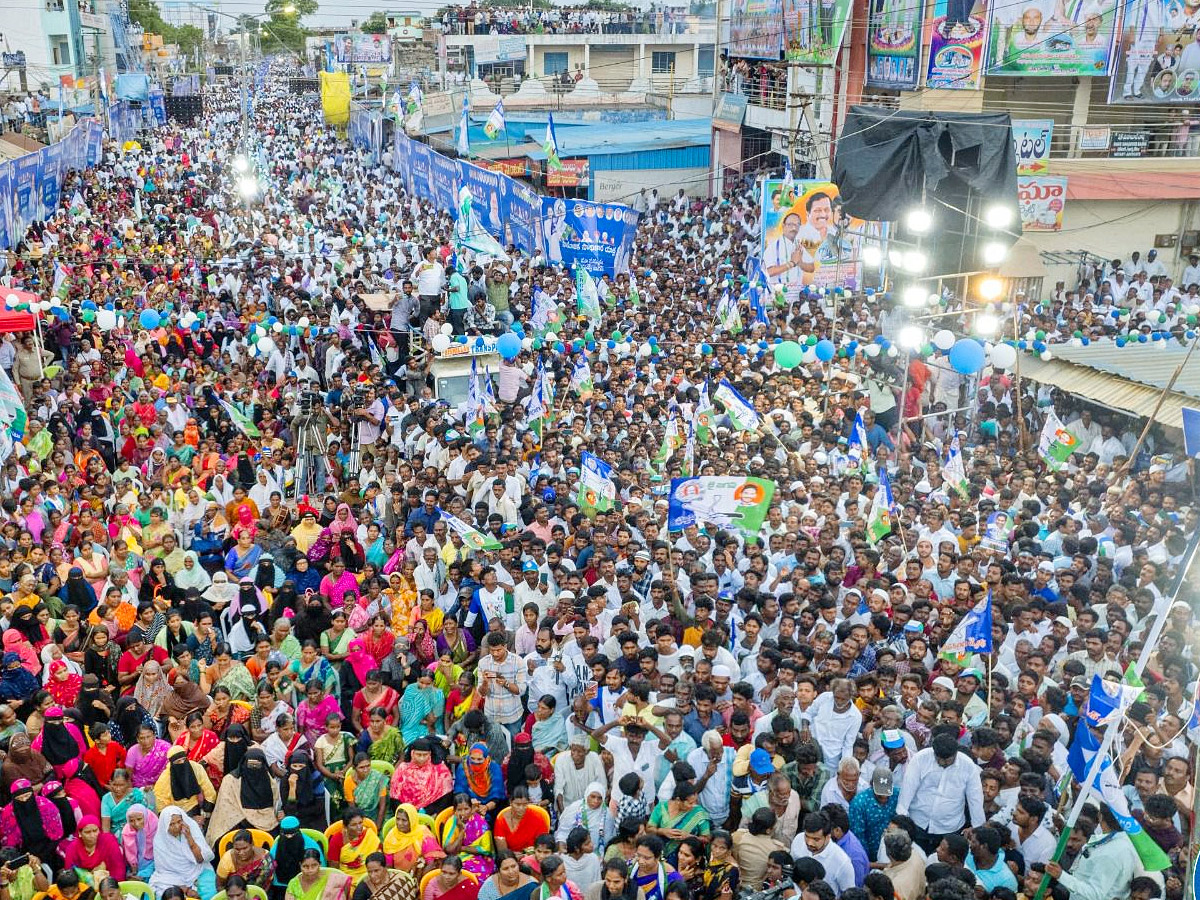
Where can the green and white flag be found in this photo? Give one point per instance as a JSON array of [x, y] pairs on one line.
[[550, 146], [738, 408], [244, 423], [1056, 443], [597, 492], [703, 417], [12, 409], [587, 298], [953, 469], [879, 522], [581, 378], [729, 316], [471, 538], [635, 296], [495, 121]]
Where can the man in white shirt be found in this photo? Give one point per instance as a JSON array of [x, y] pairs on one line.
[[1191, 272], [936, 781], [836, 722], [817, 843]]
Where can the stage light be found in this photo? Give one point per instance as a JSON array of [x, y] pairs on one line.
[[986, 324], [990, 288], [871, 255], [914, 296], [915, 261], [896, 258], [933, 299], [994, 253], [998, 216], [247, 187], [240, 164], [911, 337], [919, 220]]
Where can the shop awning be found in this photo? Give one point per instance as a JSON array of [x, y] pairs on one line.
[[16, 321]]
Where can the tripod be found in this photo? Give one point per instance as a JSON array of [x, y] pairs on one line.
[[310, 459]]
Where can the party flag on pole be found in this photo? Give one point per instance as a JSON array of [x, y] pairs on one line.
[[244, 423], [858, 450], [495, 121], [743, 416], [550, 146], [471, 538], [879, 523], [953, 469], [464, 140], [1056, 443], [703, 416], [587, 299], [597, 492], [581, 378]]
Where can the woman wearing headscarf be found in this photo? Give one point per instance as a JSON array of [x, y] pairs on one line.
[[421, 781], [410, 846], [95, 851], [288, 850], [30, 822], [151, 688], [248, 798], [23, 763], [185, 784], [592, 813], [241, 620], [61, 743], [312, 619], [480, 777], [69, 810], [102, 658], [182, 858], [158, 587], [17, 683], [307, 532], [63, 685], [302, 791], [94, 703], [192, 577], [137, 840], [128, 719], [77, 592]]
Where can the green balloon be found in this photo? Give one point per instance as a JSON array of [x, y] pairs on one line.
[[1077, 333], [788, 354], [1191, 320], [811, 340], [537, 343], [1040, 335], [88, 315], [616, 336]]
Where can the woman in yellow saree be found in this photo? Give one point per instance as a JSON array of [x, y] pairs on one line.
[[410, 846], [350, 847]]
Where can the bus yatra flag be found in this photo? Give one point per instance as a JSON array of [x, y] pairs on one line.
[[1056, 443], [472, 539], [495, 122], [879, 524], [724, 501], [587, 298], [550, 146], [953, 469], [596, 488], [12, 410], [974, 633], [738, 408]]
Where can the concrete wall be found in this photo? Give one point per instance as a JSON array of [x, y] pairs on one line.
[[623, 185]]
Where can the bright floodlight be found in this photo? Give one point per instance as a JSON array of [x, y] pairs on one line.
[[994, 253], [247, 187], [986, 324], [990, 288], [933, 299], [240, 164], [919, 220], [998, 216], [871, 255], [914, 296], [915, 261], [896, 257], [911, 337]]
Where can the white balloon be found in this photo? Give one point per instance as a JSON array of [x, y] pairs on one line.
[[821, 457], [304, 322], [943, 339], [1004, 356], [447, 328], [527, 343], [277, 328], [872, 350], [45, 305], [1046, 355], [11, 300], [106, 319], [440, 343], [891, 351]]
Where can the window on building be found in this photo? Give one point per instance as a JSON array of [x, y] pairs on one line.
[[706, 62], [662, 62], [556, 63], [60, 50]]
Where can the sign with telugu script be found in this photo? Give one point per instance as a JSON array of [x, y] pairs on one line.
[[1042, 199], [13, 60], [1031, 140], [1129, 144]]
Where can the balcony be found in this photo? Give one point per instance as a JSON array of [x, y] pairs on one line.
[[697, 28]]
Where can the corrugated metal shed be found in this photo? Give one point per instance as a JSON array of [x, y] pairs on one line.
[[649, 139], [1130, 378]]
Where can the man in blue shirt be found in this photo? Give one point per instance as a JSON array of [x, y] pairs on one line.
[[986, 860]]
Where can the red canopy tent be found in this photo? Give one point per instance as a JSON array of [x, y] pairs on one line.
[[11, 320]]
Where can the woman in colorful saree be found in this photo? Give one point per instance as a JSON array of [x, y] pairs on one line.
[[422, 782], [480, 776], [451, 883], [383, 883], [421, 707], [245, 860], [316, 882], [508, 882], [410, 846], [466, 833], [350, 847], [366, 787]]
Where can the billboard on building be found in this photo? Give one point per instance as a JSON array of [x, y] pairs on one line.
[[813, 30], [1031, 142], [362, 48], [1042, 200], [894, 45], [807, 239], [1157, 55], [1033, 37], [958, 35], [756, 29]]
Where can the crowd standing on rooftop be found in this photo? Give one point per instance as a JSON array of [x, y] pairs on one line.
[[223, 675]]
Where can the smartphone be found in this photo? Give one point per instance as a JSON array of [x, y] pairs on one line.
[[19, 862]]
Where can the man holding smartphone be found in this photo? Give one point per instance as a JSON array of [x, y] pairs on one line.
[[502, 677]]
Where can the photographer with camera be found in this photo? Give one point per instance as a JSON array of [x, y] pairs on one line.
[[21, 875], [309, 425]]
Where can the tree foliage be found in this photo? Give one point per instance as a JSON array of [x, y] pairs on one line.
[[376, 23], [147, 14]]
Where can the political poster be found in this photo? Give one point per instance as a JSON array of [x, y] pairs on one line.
[[498, 48], [6, 191], [158, 105], [894, 44], [402, 159], [485, 196], [421, 160], [1042, 199], [724, 501], [958, 34], [1035, 37], [973, 634], [362, 48], [51, 179], [522, 218], [597, 492], [1031, 142], [443, 181], [597, 236], [756, 29], [1157, 55], [807, 238], [813, 30], [25, 191]]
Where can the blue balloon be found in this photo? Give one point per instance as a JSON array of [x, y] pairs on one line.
[[612, 345], [149, 319], [1086, 341], [967, 356], [1157, 336], [825, 350], [1142, 339], [88, 304], [509, 345], [1120, 342]]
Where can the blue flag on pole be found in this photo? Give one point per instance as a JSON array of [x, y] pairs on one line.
[[1191, 431]]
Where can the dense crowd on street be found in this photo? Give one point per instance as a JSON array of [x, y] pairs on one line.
[[246, 648]]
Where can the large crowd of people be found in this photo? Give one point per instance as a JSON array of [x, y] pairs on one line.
[[246, 648]]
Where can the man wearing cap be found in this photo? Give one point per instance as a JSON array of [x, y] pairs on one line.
[[936, 782], [871, 811], [749, 784]]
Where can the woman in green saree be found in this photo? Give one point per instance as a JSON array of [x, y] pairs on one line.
[[677, 818], [381, 740], [366, 788], [315, 882], [333, 753]]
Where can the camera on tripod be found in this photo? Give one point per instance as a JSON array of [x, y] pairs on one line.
[[310, 402], [772, 893]]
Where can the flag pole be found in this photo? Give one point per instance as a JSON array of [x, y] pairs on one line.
[[1111, 729]]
